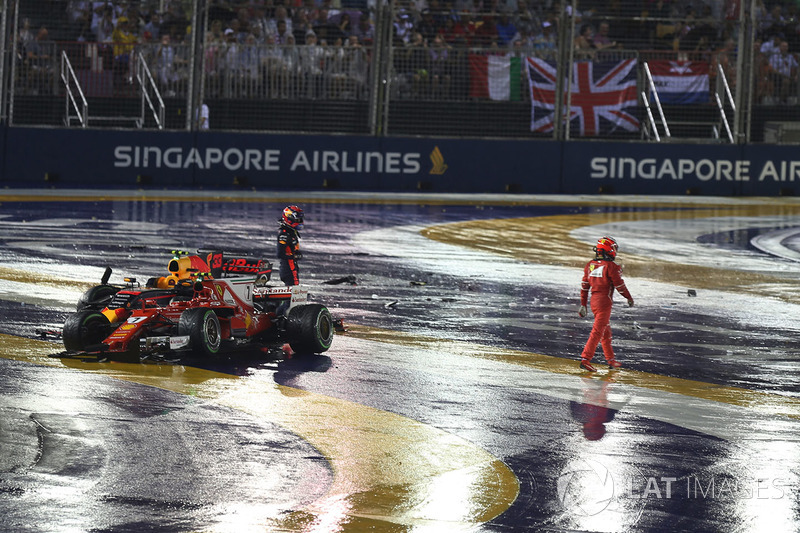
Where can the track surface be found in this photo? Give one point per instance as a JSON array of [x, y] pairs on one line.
[[454, 402]]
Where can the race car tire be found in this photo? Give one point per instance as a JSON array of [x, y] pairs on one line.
[[84, 329], [96, 298], [309, 328], [202, 326]]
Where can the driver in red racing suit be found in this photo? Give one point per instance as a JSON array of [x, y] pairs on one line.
[[600, 277]]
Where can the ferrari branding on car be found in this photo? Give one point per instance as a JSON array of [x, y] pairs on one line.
[[178, 342], [275, 290], [299, 296]]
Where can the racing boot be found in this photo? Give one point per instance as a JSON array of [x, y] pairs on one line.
[[586, 365], [613, 363]]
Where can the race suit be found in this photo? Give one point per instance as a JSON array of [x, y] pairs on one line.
[[601, 277], [289, 253]]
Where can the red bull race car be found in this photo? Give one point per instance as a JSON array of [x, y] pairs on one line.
[[205, 306]]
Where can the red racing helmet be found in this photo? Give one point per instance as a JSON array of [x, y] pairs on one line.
[[292, 217], [607, 246]]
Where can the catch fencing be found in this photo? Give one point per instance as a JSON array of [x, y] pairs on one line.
[[507, 69]]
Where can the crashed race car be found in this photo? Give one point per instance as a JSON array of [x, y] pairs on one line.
[[205, 306]]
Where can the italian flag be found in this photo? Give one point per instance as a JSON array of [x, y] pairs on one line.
[[495, 77]]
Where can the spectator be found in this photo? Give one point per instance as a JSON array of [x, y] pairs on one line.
[[508, 6], [105, 28], [523, 39], [26, 35], [249, 66], [174, 20], [774, 22], [291, 57], [243, 15], [153, 25], [772, 46], [345, 25], [783, 73], [277, 69], [201, 117], [99, 11], [311, 61], [440, 68], [282, 32], [418, 65], [38, 68], [584, 42], [453, 32], [212, 64], [602, 39], [506, 30], [166, 71], [725, 58], [235, 26], [301, 25], [335, 67], [547, 38], [260, 24], [356, 64], [365, 30], [124, 41], [759, 15], [79, 12], [325, 29], [403, 26], [486, 33], [217, 30], [229, 55], [281, 15], [763, 83], [427, 26]]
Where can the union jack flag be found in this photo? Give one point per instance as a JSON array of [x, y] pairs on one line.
[[602, 94]]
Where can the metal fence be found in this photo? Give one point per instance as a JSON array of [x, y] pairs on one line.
[[722, 71]]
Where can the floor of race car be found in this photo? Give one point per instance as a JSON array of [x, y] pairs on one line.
[[454, 401]]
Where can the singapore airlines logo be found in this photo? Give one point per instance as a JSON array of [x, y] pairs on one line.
[[439, 166]]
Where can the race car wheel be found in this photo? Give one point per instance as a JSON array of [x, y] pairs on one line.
[[96, 298], [202, 327], [85, 328], [310, 328]]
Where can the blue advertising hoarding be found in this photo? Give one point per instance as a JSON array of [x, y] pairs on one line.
[[123, 158]]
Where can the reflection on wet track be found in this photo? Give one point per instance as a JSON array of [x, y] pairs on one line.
[[453, 403]]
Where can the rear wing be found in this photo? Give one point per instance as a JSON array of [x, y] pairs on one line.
[[223, 267]]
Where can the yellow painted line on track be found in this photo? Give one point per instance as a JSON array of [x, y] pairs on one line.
[[390, 473], [24, 276], [333, 197], [547, 240], [757, 401]]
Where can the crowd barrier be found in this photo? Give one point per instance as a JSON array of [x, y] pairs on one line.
[[44, 157]]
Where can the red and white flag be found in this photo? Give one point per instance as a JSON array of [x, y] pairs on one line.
[[680, 82]]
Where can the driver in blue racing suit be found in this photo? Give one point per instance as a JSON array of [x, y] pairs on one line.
[[289, 244]]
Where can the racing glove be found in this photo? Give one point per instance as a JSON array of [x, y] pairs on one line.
[[582, 311], [630, 302]]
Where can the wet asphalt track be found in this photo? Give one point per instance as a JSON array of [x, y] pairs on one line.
[[453, 403]]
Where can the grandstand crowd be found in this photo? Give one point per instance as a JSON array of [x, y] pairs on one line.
[[323, 48]]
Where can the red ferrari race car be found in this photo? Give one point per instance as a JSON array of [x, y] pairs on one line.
[[206, 306]]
